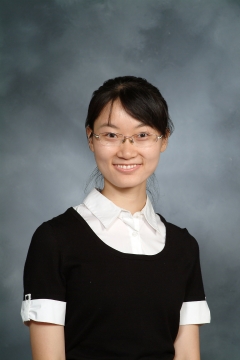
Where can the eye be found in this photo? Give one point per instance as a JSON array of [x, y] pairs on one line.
[[110, 135], [143, 135]]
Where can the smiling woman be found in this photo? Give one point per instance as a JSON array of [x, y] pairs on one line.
[[123, 281], [125, 161]]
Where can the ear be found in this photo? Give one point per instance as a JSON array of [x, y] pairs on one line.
[[164, 143], [90, 138]]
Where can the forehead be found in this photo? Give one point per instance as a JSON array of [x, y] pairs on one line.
[[114, 115]]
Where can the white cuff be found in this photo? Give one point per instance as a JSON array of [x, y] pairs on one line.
[[43, 310], [195, 312]]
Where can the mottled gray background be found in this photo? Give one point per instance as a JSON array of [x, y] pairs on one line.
[[54, 54]]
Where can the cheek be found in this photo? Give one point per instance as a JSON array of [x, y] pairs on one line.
[[152, 156], [102, 156]]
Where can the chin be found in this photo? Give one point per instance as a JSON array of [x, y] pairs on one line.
[[127, 184]]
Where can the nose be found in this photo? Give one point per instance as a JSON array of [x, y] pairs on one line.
[[130, 138], [126, 149]]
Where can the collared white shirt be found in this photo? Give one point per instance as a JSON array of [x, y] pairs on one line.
[[140, 233]]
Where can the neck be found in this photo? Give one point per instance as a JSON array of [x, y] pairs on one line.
[[131, 199]]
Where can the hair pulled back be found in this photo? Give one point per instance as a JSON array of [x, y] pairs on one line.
[[139, 98]]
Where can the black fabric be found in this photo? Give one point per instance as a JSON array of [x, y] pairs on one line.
[[119, 306]]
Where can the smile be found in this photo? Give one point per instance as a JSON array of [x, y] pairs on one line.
[[127, 166], [127, 169]]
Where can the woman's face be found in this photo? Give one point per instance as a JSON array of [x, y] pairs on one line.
[[112, 160]]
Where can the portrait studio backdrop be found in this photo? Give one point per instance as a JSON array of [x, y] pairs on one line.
[[55, 53]]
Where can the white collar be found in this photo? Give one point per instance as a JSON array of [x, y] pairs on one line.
[[107, 212]]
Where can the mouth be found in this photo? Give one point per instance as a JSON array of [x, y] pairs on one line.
[[127, 168]]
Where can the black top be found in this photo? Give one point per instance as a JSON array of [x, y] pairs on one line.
[[119, 306]]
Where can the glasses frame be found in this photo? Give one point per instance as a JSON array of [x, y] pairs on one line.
[[130, 138]]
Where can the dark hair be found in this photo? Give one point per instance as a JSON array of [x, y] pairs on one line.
[[139, 98]]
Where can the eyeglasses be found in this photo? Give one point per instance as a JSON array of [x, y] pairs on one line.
[[142, 139]]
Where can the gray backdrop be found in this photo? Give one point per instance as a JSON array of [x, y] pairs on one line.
[[54, 54]]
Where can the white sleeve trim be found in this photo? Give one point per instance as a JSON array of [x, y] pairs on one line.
[[43, 310], [195, 312]]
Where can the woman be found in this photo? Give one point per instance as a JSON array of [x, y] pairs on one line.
[[125, 283]]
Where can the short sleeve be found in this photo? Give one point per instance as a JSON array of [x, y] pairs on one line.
[[44, 279], [195, 309]]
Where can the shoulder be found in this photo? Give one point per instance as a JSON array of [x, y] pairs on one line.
[[57, 228], [66, 219], [180, 238]]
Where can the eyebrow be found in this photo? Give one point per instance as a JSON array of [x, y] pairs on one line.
[[141, 125], [116, 127], [109, 125]]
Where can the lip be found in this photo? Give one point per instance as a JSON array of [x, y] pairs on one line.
[[127, 167]]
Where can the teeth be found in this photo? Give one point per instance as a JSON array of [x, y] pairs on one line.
[[126, 166]]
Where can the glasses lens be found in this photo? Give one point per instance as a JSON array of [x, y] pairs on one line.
[[109, 138], [141, 139], [144, 139]]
